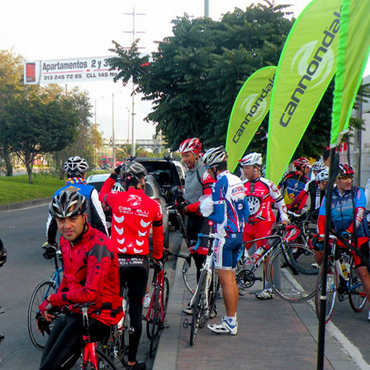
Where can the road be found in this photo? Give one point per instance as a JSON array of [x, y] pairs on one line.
[[23, 232]]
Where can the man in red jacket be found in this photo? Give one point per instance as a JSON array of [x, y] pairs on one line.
[[133, 215], [90, 267]]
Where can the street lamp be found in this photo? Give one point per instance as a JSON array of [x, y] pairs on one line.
[[113, 137]]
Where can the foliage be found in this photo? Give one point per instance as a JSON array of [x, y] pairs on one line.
[[195, 75]]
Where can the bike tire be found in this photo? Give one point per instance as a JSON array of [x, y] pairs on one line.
[[331, 290], [165, 297], [189, 276], [104, 363], [153, 324], [357, 296], [301, 259], [42, 290], [198, 306], [287, 282]]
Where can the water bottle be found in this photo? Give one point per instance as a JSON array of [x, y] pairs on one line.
[[258, 254], [344, 269]]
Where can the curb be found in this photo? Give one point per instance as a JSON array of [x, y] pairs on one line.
[[23, 205]]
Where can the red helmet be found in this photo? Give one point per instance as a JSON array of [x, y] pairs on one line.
[[191, 145], [301, 162], [345, 170]]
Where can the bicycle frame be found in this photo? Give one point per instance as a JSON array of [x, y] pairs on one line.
[[89, 350], [158, 283]]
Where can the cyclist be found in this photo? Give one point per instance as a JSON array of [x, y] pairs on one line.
[[261, 194], [293, 182], [311, 191], [134, 214], [91, 275], [75, 169], [3, 253], [197, 183], [348, 215], [230, 213]]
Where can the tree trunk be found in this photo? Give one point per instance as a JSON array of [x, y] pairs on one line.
[[8, 163], [29, 172]]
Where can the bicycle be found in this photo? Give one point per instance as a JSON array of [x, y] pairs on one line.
[[156, 314], [43, 290], [115, 346], [285, 274], [203, 302], [342, 281]]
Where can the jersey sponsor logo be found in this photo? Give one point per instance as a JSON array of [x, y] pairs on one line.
[[254, 204], [134, 200]]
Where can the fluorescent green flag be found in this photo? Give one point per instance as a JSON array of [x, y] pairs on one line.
[[306, 67], [353, 53], [250, 108]]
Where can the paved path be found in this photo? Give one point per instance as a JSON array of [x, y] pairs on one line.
[[273, 334]]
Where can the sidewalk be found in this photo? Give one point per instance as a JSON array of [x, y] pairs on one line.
[[272, 334]]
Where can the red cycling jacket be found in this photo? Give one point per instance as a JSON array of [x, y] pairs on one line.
[[207, 183], [133, 215], [261, 193], [91, 274]]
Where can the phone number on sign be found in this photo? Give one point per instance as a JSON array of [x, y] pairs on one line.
[[79, 75]]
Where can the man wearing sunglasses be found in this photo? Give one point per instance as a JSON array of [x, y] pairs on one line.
[[348, 215]]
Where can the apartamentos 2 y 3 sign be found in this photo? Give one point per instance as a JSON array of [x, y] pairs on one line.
[[68, 70]]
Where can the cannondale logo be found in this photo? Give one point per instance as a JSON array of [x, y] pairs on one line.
[[314, 62], [134, 201], [250, 102]]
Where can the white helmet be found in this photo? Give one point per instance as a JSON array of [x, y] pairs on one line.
[[75, 166], [215, 156], [118, 187], [318, 166], [322, 176], [251, 159]]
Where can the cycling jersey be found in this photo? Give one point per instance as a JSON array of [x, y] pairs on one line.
[[292, 184], [231, 208], [133, 215], [312, 191], [342, 212], [197, 183], [261, 194], [90, 268], [95, 213]]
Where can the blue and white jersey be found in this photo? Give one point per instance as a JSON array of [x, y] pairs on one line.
[[231, 210], [342, 214]]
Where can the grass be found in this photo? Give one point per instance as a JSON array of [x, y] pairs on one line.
[[17, 188]]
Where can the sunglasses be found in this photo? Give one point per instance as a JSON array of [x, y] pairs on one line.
[[344, 178]]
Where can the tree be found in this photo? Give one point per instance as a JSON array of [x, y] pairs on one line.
[[195, 75], [34, 122]]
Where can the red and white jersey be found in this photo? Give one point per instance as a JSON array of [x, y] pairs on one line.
[[261, 193], [133, 215]]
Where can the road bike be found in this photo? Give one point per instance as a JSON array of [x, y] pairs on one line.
[[203, 302], [342, 281], [43, 290], [115, 346], [292, 279], [156, 314]]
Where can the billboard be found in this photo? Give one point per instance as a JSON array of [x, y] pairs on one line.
[[68, 71]]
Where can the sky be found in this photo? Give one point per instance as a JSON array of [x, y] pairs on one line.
[[49, 29]]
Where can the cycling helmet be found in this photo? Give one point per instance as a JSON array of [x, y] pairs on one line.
[[135, 170], [191, 145], [75, 166], [3, 253], [215, 156], [67, 204], [345, 170], [300, 163], [322, 176], [318, 166], [118, 187], [252, 159]]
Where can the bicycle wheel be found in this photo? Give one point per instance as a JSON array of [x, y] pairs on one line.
[[286, 281], [104, 363], [189, 275], [165, 296], [198, 307], [154, 322], [302, 259], [331, 290], [357, 296], [42, 290]]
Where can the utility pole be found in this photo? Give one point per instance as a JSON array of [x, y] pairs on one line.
[[206, 8], [134, 14]]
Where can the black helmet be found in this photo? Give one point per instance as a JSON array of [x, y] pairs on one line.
[[135, 170], [3, 253], [67, 204], [75, 166]]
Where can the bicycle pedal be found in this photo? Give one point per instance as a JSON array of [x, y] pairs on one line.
[[131, 330], [186, 324]]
